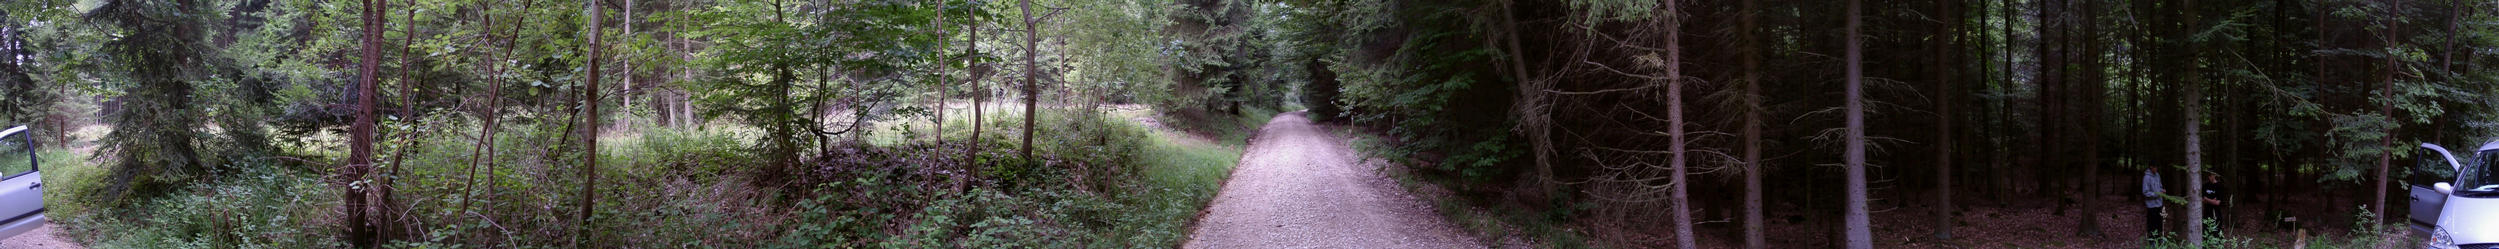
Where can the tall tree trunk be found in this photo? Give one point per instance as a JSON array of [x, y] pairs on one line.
[[1859, 228], [1753, 226], [1032, 40], [407, 113], [1533, 106], [494, 103], [2089, 98], [944, 40], [2195, 154], [1943, 119], [971, 48], [1674, 128], [2049, 48], [628, 83], [2002, 156], [2386, 80], [590, 136], [361, 228]]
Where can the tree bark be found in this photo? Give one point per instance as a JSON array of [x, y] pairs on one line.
[[1533, 107], [2194, 152], [1753, 226], [1032, 39], [1682, 207], [1943, 120], [590, 136], [2386, 144], [628, 83], [971, 51], [2089, 97], [1859, 232], [944, 40], [361, 228], [407, 113]]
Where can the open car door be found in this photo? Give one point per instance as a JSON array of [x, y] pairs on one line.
[[2427, 201], [21, 192]]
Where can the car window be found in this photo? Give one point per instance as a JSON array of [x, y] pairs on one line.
[[2430, 167], [2479, 179], [15, 155]]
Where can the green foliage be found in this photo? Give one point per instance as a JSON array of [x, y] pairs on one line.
[[154, 136], [764, 56], [1114, 49], [1431, 93], [1109, 183], [273, 208], [1219, 48], [71, 185]]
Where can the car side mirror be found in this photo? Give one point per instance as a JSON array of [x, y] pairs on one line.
[[2444, 188], [2442, 152]]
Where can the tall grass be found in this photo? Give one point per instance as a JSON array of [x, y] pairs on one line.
[[262, 207]]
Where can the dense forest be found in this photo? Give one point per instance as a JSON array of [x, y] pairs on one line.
[[1115, 123]]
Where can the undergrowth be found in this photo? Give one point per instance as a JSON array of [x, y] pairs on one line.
[[2366, 232], [1545, 229], [1098, 181]]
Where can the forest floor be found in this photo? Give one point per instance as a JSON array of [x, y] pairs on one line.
[[42, 237], [1300, 187]]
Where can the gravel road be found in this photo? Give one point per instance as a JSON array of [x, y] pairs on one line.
[[41, 237], [1300, 187]]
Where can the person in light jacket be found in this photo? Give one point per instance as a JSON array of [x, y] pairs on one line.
[[2152, 201]]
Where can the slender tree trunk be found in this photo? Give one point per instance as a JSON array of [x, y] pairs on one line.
[[686, 53], [628, 82], [1032, 91], [1943, 121], [2002, 155], [1753, 226], [944, 40], [2386, 80], [1674, 128], [407, 113], [361, 228], [2195, 154], [590, 136], [494, 103], [971, 48], [2090, 96], [2048, 129], [1859, 227], [1535, 117]]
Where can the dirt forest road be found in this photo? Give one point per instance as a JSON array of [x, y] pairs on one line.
[[42, 237], [1300, 187]]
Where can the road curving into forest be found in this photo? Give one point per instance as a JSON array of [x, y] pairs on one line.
[[1299, 186]]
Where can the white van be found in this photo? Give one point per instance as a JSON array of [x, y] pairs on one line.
[[21, 193], [2473, 195]]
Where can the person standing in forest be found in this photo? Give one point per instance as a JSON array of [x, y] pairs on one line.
[[2215, 199], [2151, 202]]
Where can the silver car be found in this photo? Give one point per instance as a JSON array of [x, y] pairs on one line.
[[21, 194], [2473, 195]]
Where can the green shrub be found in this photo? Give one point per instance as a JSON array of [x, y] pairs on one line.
[[70, 183]]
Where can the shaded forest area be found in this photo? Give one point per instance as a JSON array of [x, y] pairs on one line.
[[1110, 123], [2309, 108]]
